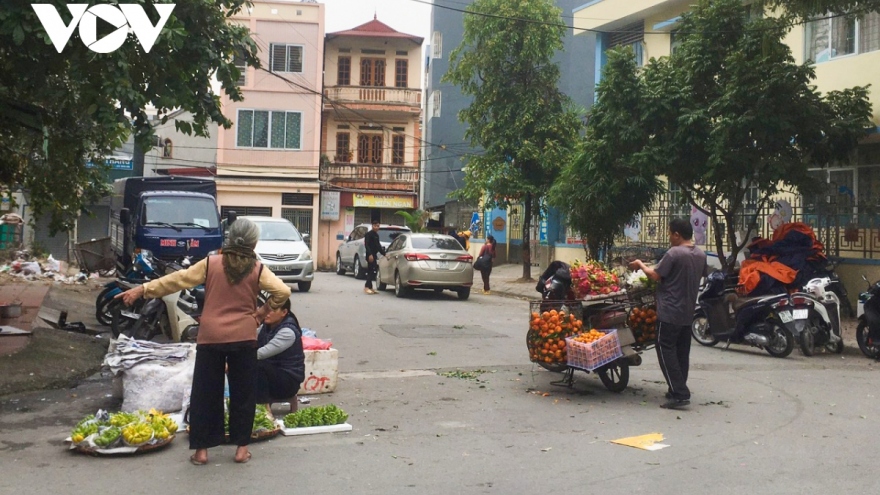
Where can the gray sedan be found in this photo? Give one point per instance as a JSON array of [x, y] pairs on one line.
[[426, 261]]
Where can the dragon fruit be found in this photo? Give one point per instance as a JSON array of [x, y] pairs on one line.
[[592, 279]]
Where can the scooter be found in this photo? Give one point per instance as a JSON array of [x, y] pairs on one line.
[[868, 313], [836, 286], [555, 283], [174, 316], [168, 316], [823, 324], [767, 322], [141, 271]]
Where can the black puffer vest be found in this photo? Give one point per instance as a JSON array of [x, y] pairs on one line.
[[292, 360]]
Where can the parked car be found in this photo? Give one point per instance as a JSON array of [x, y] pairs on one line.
[[426, 261], [283, 250], [352, 255]]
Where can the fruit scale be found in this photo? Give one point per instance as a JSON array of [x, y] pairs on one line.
[[594, 336]]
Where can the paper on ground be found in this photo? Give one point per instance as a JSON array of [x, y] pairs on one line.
[[644, 442]]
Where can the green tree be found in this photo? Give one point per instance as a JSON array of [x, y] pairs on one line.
[[810, 8], [524, 124], [731, 113], [58, 110], [611, 180]]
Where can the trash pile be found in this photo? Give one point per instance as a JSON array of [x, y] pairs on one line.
[[30, 268]]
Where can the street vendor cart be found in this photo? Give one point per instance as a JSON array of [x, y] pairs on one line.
[[603, 335]]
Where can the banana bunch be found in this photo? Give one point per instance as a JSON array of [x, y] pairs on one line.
[[169, 424], [262, 421], [83, 430], [137, 433], [121, 419], [163, 427], [107, 437], [159, 431]]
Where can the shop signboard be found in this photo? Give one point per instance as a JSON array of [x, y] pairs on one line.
[[382, 201], [330, 205]]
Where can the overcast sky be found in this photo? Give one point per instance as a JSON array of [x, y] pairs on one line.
[[405, 16]]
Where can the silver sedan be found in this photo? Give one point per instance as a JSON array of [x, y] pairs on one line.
[[426, 261]]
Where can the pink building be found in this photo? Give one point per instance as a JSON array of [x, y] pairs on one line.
[[372, 132], [267, 163]]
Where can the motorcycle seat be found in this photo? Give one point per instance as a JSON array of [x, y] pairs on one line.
[[739, 302]]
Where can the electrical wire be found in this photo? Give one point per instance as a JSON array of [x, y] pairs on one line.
[[599, 31]]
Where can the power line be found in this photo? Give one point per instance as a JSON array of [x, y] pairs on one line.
[[599, 31]]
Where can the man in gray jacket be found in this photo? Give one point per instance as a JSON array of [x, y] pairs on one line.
[[678, 274]]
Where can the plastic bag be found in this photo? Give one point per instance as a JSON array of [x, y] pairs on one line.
[[314, 344], [52, 265], [31, 268], [308, 332]]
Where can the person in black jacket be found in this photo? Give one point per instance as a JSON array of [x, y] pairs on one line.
[[281, 365], [374, 249]]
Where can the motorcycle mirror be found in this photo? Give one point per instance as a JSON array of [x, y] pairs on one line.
[[865, 279], [230, 218]]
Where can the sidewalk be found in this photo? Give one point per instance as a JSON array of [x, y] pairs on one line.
[[504, 282]]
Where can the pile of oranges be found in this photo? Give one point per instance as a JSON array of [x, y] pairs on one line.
[[643, 323], [547, 333], [589, 337]]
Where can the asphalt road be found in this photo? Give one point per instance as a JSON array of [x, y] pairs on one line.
[[757, 424]]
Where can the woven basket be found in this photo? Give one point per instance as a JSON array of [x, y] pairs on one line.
[[86, 449]]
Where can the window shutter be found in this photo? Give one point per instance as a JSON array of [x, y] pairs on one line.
[[627, 35], [294, 58], [297, 199], [240, 63], [435, 98], [437, 45], [279, 57]]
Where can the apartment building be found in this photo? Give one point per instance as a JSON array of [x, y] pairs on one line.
[[846, 53], [446, 155], [371, 131], [267, 163]]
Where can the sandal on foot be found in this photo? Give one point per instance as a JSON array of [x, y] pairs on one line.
[[245, 459], [197, 462]]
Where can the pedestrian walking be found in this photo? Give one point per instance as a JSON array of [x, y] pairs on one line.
[[227, 339], [465, 236], [678, 274], [455, 236], [373, 248], [485, 259]]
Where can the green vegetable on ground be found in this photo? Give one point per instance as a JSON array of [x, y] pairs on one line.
[[316, 416]]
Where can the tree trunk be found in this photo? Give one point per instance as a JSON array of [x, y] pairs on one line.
[[526, 241], [719, 239]]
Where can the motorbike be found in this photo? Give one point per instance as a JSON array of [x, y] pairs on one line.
[[836, 286], [555, 283], [823, 324], [868, 314], [767, 322], [141, 270], [173, 316]]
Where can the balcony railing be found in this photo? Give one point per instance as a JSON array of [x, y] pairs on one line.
[[370, 94], [372, 176]]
